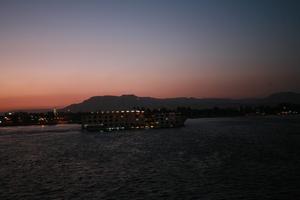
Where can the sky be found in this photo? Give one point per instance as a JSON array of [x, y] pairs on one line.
[[58, 52]]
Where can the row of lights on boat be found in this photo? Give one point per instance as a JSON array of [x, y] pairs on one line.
[[133, 127], [122, 111]]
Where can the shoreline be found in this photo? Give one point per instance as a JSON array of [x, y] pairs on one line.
[[207, 117]]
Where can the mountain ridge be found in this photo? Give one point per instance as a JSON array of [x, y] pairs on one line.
[[129, 101]]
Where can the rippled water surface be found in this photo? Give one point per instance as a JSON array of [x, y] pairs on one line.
[[224, 158]]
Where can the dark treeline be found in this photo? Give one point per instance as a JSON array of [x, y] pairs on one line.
[[282, 109], [243, 110]]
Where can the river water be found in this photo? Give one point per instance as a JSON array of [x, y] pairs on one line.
[[217, 158]]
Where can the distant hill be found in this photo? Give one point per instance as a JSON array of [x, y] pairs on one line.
[[132, 101], [289, 97]]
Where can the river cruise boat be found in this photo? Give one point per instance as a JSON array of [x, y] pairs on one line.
[[131, 119]]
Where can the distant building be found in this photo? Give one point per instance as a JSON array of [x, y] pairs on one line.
[[55, 112]]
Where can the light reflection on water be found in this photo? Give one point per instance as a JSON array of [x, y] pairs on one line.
[[39, 129], [225, 158]]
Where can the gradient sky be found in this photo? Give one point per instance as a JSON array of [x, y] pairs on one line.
[[53, 53]]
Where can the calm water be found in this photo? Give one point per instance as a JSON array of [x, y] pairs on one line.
[[225, 158]]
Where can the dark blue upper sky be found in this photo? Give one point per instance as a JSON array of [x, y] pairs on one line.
[[202, 48]]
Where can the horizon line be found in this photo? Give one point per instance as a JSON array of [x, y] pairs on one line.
[[50, 107]]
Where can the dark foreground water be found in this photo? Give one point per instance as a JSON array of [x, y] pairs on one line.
[[225, 158]]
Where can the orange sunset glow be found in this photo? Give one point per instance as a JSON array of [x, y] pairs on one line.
[[54, 55]]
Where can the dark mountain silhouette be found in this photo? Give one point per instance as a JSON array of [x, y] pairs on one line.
[[132, 101]]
